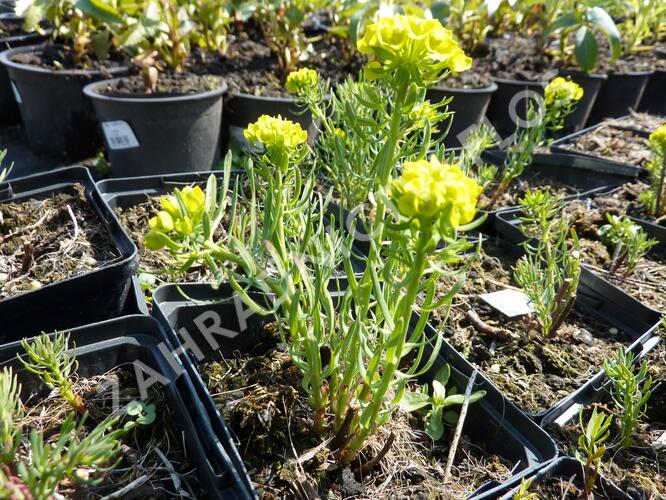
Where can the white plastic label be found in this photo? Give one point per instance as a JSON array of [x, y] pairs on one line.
[[17, 96], [119, 135], [509, 302]]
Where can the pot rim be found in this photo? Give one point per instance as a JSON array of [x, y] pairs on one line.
[[527, 83], [5, 59], [90, 91], [577, 72], [487, 89]]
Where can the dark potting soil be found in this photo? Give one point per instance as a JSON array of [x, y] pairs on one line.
[[169, 84], [648, 279], [626, 199], [515, 57], [478, 76], [519, 187], [8, 30], [58, 57], [259, 395], [639, 470], [249, 67], [50, 239], [613, 143], [563, 488], [642, 122], [532, 371], [150, 452]]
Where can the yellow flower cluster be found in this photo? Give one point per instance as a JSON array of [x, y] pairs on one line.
[[301, 80], [423, 47], [276, 132], [658, 140], [434, 190], [180, 216], [562, 92]]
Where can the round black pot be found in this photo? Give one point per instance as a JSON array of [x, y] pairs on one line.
[[58, 120], [654, 97], [7, 7], [468, 106], [591, 85], [242, 109], [10, 112], [509, 103], [148, 135], [618, 94]]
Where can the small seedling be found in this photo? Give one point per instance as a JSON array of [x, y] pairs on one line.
[[437, 403], [629, 241], [591, 448], [654, 199], [144, 414], [50, 358], [630, 390], [4, 173], [523, 492], [11, 414], [550, 269]]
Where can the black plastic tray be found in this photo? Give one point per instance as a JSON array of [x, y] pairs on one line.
[[128, 340], [566, 468], [493, 420], [87, 298], [557, 147]]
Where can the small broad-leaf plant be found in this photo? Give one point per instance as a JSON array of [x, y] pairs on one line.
[[55, 458], [629, 242], [437, 407], [549, 271], [356, 353]]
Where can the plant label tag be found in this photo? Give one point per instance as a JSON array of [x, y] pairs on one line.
[[119, 135], [509, 302], [17, 96]]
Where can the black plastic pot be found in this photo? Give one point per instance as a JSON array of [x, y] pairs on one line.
[[242, 109], [618, 94], [7, 7], [510, 103], [566, 468], [137, 341], [10, 112], [653, 101], [468, 106], [95, 296], [146, 135], [57, 118], [493, 421], [591, 84], [557, 146]]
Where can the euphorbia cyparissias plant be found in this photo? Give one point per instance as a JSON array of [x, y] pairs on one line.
[[655, 198], [351, 351]]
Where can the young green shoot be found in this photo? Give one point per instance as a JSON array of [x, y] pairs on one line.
[[591, 448], [549, 271], [630, 389], [4, 173], [655, 198], [628, 240], [11, 414]]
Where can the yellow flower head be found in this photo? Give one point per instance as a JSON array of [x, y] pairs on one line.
[[423, 47], [276, 132], [434, 190], [178, 215], [658, 140], [562, 92], [301, 81]]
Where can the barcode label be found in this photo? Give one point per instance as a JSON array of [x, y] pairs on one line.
[[17, 96], [119, 135]]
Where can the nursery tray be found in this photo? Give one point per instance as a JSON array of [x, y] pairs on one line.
[[558, 147], [566, 468], [87, 298], [124, 341], [493, 420]]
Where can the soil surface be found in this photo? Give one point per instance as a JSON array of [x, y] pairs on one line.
[[10, 29], [613, 143], [625, 199], [641, 122], [640, 470], [249, 67], [58, 57], [562, 489], [259, 395], [648, 280], [170, 84], [43, 241], [519, 187], [477, 76], [532, 371], [515, 58], [140, 449]]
